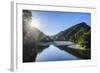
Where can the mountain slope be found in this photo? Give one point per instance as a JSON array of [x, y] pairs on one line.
[[31, 34], [72, 33]]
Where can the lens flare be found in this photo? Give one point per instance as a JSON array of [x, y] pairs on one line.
[[35, 23]]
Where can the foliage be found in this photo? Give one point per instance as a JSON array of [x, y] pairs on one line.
[[79, 33], [85, 40]]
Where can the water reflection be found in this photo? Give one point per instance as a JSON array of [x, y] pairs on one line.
[[33, 52], [30, 51], [53, 53]]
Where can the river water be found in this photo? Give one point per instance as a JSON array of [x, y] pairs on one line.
[[53, 53]]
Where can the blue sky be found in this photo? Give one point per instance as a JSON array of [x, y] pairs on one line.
[[52, 22]]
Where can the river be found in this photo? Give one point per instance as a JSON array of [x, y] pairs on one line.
[[53, 53]]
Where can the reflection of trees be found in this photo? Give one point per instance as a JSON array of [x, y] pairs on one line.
[[31, 50], [80, 53]]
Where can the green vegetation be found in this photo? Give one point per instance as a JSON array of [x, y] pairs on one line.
[[85, 40], [79, 34]]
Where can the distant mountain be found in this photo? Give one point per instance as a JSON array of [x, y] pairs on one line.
[[72, 33]]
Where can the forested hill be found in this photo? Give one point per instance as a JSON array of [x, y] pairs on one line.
[[79, 33], [31, 34]]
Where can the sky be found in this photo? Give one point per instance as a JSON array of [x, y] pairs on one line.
[[52, 22]]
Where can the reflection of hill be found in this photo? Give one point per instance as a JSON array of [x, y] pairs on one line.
[[30, 45], [30, 51], [80, 53], [80, 34]]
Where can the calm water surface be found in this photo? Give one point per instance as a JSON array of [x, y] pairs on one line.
[[53, 53]]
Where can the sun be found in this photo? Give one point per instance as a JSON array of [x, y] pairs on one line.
[[35, 23]]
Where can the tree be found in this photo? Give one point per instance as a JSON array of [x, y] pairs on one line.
[[85, 40]]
